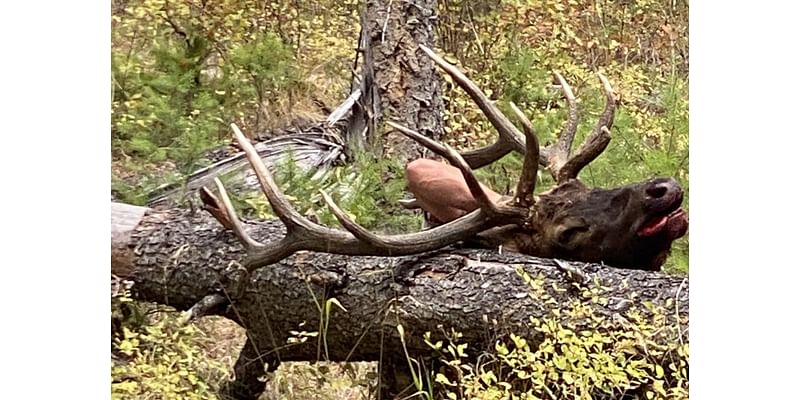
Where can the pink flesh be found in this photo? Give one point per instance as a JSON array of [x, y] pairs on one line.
[[659, 224], [654, 227]]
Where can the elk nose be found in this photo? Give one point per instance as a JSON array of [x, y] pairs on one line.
[[661, 188]]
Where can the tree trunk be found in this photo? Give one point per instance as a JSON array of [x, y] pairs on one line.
[[407, 81], [178, 258]]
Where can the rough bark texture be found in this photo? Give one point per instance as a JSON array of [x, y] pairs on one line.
[[407, 81], [177, 258]]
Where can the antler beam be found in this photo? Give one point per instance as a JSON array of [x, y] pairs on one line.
[[302, 234]]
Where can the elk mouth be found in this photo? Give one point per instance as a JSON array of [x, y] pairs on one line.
[[671, 221]]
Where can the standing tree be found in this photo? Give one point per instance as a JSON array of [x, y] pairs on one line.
[[406, 80]]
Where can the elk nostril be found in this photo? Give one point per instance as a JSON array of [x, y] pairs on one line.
[[656, 191]]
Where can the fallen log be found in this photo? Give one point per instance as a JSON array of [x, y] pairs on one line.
[[183, 259]]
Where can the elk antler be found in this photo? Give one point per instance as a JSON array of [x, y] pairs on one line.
[[556, 157], [302, 234]]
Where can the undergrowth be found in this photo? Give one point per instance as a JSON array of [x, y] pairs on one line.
[[181, 74], [155, 357], [580, 353], [368, 189]]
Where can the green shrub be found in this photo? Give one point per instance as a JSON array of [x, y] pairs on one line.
[[368, 189], [155, 357], [604, 357], [177, 87]]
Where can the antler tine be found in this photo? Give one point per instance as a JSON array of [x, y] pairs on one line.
[[357, 230], [530, 165], [567, 135], [413, 243], [510, 137], [279, 203], [235, 224], [557, 154], [215, 207], [436, 238], [484, 156], [596, 142], [607, 118]]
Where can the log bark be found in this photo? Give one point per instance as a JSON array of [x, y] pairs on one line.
[[178, 258]]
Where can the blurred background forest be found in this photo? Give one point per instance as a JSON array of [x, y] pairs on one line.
[[183, 70]]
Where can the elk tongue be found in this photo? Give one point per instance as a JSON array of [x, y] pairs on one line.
[[675, 224], [654, 226]]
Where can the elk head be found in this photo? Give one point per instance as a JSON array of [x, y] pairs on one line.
[[631, 227]]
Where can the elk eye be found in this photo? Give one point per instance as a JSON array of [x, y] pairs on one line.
[[568, 234]]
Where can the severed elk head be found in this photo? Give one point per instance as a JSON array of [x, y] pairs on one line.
[[627, 227]]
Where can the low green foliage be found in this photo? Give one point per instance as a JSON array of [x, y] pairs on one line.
[[368, 189], [157, 358], [176, 86], [268, 64], [164, 108], [163, 112], [635, 355]]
